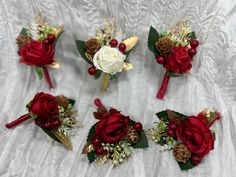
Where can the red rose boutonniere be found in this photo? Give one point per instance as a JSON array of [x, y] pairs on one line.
[[190, 137], [113, 137], [174, 49], [37, 46], [54, 115]]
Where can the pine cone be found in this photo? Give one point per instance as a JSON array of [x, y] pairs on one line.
[[164, 45], [22, 40], [181, 153], [92, 46], [62, 101], [132, 135]]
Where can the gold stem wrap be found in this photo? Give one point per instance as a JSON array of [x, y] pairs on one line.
[[105, 81]]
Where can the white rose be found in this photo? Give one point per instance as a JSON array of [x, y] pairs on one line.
[[109, 60]]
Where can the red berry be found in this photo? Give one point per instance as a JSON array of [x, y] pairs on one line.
[[113, 43], [38, 122], [56, 123], [138, 126], [47, 125], [100, 150], [196, 159], [92, 70], [96, 141], [194, 43], [160, 59], [122, 47], [46, 42], [172, 125], [51, 38], [192, 51], [170, 132]]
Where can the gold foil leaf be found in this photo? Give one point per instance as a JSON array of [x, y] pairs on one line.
[[89, 57], [59, 30], [130, 42], [87, 148], [63, 139], [127, 67], [55, 65]]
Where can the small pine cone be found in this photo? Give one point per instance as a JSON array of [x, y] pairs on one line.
[[92, 46], [164, 45], [132, 135], [62, 101], [22, 40], [181, 153]]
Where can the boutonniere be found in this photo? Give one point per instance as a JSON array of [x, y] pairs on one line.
[[55, 115], [189, 137], [37, 46], [174, 49], [106, 54], [113, 137]]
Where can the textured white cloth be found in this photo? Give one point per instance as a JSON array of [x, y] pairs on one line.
[[26, 151]]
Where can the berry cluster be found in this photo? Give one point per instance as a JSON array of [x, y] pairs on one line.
[[49, 40]]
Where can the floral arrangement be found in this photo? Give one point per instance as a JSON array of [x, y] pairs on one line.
[[189, 137], [174, 49], [105, 54], [113, 137], [37, 46], [54, 115]]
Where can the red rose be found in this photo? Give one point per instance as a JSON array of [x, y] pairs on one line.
[[44, 106], [36, 54], [112, 127], [178, 60], [196, 136]]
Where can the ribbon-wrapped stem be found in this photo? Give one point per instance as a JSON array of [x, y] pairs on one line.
[[18, 121], [98, 103], [164, 84], [105, 81], [47, 77]]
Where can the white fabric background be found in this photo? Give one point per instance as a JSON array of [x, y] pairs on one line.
[[27, 152]]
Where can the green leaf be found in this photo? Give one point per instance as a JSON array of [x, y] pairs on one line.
[[193, 36], [182, 116], [131, 122], [92, 132], [39, 71], [81, 48], [97, 74], [127, 53], [113, 76], [186, 166], [49, 133], [91, 156], [163, 116], [143, 142], [212, 117], [71, 101], [172, 74], [24, 32], [153, 36]]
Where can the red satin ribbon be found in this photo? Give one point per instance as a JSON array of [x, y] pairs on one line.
[[18, 121], [164, 84], [98, 103], [47, 77]]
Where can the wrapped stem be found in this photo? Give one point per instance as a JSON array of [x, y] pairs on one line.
[[105, 81], [98, 103], [47, 77], [18, 121], [164, 84]]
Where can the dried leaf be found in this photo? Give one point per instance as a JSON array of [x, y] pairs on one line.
[[173, 116], [59, 30], [127, 66], [55, 65], [130, 42], [64, 139]]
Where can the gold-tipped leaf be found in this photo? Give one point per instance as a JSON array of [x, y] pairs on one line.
[[89, 56], [63, 139], [130, 42], [87, 148], [127, 66], [55, 65]]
